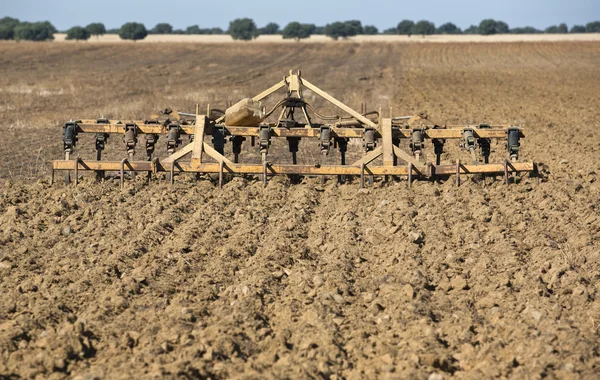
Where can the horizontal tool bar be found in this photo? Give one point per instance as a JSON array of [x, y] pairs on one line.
[[454, 133], [292, 169]]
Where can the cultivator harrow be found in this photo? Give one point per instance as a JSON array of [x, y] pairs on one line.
[[381, 140]]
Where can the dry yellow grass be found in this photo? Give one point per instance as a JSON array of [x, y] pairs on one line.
[[224, 38]]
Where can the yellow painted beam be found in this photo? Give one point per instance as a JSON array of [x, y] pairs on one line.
[[291, 169]]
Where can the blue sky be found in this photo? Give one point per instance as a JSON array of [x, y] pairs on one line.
[[381, 13]]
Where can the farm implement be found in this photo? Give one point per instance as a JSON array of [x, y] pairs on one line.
[[387, 146]]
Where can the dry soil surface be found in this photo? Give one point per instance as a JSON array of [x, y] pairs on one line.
[[293, 281]]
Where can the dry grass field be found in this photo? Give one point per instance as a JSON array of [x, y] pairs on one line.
[[452, 38], [309, 280]]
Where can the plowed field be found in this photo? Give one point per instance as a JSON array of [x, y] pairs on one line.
[[308, 280]]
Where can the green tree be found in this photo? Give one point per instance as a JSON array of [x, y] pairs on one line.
[[424, 27], [336, 30], [490, 26], [343, 29], [38, 31], [487, 27], [502, 27], [243, 29], [7, 28], [96, 29], [297, 30], [593, 27], [405, 27], [525, 30], [577, 29], [471, 30], [370, 30], [319, 30], [133, 31], [390, 31], [214, 31], [78, 33], [48, 25], [269, 29], [562, 28], [448, 28], [355, 26], [194, 29], [551, 29], [162, 28]]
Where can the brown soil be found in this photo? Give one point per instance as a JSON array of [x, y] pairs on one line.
[[289, 281]]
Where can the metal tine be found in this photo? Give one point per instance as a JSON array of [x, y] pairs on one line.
[[172, 176], [221, 175], [76, 171], [264, 173], [362, 176], [123, 161]]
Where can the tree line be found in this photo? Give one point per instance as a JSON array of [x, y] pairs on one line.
[[246, 29]]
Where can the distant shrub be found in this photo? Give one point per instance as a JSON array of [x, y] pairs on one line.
[[96, 29], [448, 28], [162, 28], [593, 27], [243, 29], [7, 28], [297, 31], [78, 33], [214, 31], [390, 31], [525, 30], [49, 26], [336, 30], [562, 28], [577, 29], [502, 27], [370, 30], [133, 31], [37, 31], [471, 30], [269, 29], [423, 28], [195, 29], [489, 26], [405, 27], [343, 29], [355, 25]]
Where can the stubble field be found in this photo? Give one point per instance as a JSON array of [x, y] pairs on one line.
[[308, 280]]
